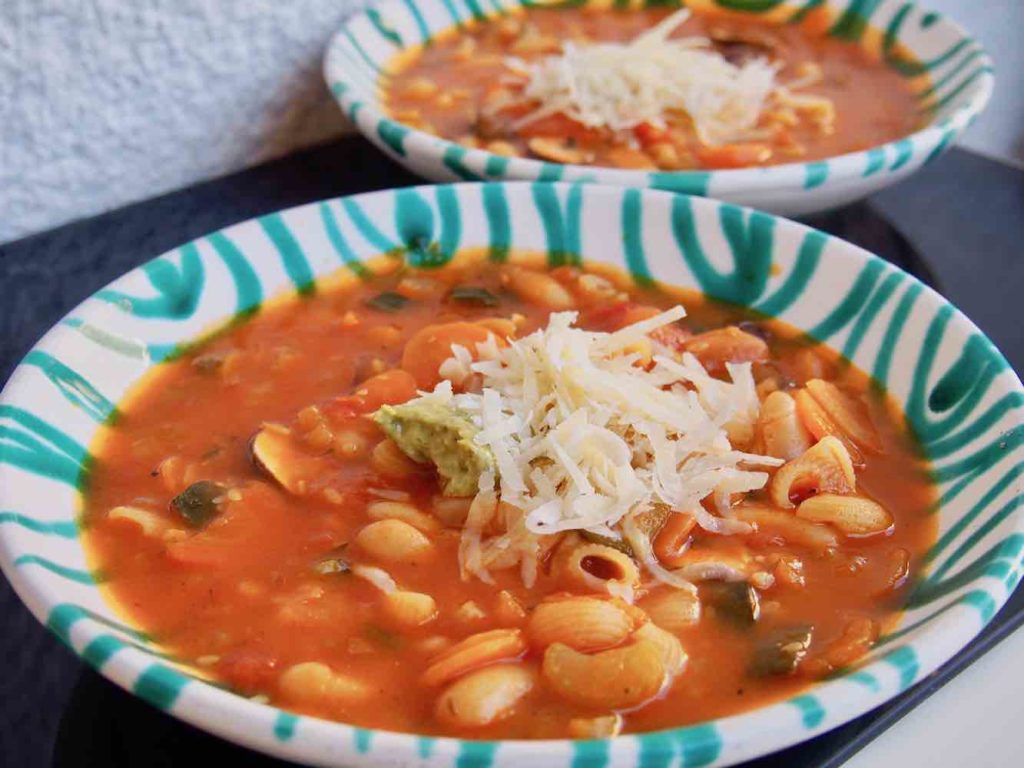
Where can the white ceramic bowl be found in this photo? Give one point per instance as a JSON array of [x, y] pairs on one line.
[[960, 396], [959, 69]]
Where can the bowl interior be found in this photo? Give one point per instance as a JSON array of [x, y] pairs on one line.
[[950, 71], [959, 395]]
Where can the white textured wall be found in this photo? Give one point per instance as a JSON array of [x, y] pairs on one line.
[[104, 102], [999, 25]]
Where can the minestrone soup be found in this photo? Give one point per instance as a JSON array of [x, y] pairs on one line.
[[493, 500], [650, 89]]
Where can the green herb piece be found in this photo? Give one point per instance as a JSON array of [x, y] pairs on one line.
[[382, 637], [470, 294], [198, 504], [388, 301]]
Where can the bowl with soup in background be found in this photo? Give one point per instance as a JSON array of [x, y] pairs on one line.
[[789, 107]]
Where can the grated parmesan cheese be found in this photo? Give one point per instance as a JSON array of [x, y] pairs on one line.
[[620, 86], [584, 438]]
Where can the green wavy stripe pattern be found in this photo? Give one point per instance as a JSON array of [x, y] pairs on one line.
[[953, 410]]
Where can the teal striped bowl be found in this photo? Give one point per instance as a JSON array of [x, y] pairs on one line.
[[959, 394], [959, 70]]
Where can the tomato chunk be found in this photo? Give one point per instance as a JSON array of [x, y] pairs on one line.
[[248, 669], [388, 388]]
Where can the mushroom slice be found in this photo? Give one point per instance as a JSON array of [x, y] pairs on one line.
[[276, 454]]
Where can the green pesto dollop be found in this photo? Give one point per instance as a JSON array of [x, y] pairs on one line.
[[442, 435]]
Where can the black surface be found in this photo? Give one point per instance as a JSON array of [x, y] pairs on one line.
[[960, 228]]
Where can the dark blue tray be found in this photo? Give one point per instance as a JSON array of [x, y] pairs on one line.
[[960, 226]]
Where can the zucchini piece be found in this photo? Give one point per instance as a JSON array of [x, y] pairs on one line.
[[198, 504], [735, 602], [333, 563], [653, 520], [781, 652], [620, 544], [388, 301], [470, 294], [649, 523]]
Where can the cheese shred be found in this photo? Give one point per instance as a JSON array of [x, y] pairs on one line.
[[620, 86], [585, 435]]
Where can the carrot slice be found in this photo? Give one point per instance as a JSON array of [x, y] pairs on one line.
[[432, 345]]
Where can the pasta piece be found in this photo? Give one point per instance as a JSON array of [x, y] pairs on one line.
[[602, 569], [824, 468], [509, 611], [726, 345], [558, 151], [583, 623], [312, 683], [452, 511], [792, 529], [715, 565], [387, 459], [595, 289], [350, 445], [673, 539], [853, 515], [433, 645], [538, 288], [150, 523], [409, 609], [394, 541], [475, 651], [847, 413], [605, 727], [672, 609], [820, 424], [673, 655], [783, 433], [619, 678], [469, 612], [485, 696], [420, 88], [407, 513]]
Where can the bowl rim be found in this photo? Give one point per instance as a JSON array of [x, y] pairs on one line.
[[741, 736], [935, 136]]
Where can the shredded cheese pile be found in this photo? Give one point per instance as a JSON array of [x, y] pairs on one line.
[[620, 86], [584, 437]]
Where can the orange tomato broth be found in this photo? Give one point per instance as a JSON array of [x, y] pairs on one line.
[[874, 103], [239, 600]]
